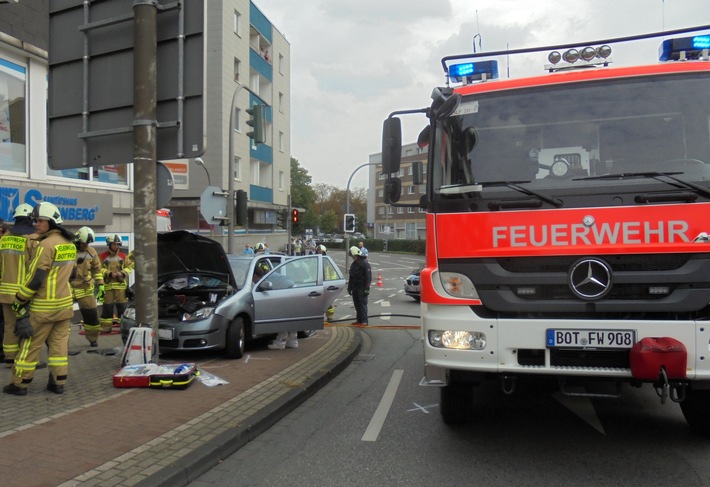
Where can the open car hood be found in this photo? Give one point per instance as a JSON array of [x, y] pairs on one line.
[[185, 252]]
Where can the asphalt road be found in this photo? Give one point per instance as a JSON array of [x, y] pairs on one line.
[[374, 425]]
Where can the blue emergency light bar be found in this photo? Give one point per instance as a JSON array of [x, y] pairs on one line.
[[473, 71], [692, 46]]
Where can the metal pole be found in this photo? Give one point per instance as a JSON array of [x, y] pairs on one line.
[[230, 176], [145, 49]]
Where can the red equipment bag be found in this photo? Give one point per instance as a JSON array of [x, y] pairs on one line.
[[651, 353]]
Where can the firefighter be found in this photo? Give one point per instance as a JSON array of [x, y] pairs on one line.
[[47, 294], [359, 284], [260, 248], [88, 274], [115, 268], [16, 252]]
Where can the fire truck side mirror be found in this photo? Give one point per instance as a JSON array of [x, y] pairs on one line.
[[393, 190], [391, 145], [448, 107]]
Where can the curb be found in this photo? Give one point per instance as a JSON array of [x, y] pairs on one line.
[[204, 457]]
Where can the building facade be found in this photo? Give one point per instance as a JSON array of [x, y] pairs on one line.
[[398, 222], [243, 51]]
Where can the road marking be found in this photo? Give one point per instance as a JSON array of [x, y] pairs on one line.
[[385, 316], [424, 409], [582, 407], [247, 358], [378, 419]]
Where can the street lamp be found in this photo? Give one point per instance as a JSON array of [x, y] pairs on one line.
[[200, 162], [347, 207]]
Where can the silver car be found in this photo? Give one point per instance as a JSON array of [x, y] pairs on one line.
[[411, 285], [208, 300]]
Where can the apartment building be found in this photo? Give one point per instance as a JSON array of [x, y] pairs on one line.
[[243, 52], [397, 222]]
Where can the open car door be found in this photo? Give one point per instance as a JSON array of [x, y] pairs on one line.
[[295, 295]]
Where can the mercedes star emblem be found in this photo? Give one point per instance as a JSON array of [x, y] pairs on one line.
[[590, 278]]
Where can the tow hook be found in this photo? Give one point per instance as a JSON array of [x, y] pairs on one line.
[[665, 390], [508, 384]]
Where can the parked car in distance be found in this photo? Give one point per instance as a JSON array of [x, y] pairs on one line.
[[411, 285], [210, 300]]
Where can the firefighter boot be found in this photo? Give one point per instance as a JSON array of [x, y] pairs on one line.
[[54, 387], [14, 390]]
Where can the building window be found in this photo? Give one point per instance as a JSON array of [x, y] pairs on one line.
[[410, 209], [424, 168], [237, 119], [382, 176], [381, 210], [412, 189], [281, 102], [237, 23], [422, 189], [281, 141], [380, 193], [255, 173], [237, 169], [400, 210], [390, 210], [411, 230], [237, 68], [281, 64], [13, 149], [410, 170], [422, 210], [281, 180]]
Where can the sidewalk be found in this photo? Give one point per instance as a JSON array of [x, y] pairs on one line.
[[97, 435]]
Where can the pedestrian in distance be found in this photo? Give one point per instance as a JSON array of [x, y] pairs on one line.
[[248, 250], [363, 250], [359, 281], [47, 294], [115, 269], [88, 276], [17, 248]]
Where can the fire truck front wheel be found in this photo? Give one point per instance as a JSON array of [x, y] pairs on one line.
[[457, 402], [696, 409]]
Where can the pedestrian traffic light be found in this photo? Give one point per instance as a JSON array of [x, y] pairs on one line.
[[294, 216], [349, 223], [258, 122]]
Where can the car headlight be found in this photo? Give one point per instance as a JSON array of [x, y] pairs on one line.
[[130, 314], [457, 340], [200, 314]]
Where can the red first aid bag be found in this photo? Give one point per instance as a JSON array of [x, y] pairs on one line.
[[651, 353]]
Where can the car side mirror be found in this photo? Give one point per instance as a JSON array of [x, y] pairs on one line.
[[265, 286]]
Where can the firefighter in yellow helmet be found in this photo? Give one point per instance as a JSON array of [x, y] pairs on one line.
[[47, 294], [88, 274], [16, 252], [115, 267]]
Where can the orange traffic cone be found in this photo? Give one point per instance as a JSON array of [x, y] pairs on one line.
[[379, 280]]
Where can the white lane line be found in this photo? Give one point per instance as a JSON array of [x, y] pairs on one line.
[[378, 419]]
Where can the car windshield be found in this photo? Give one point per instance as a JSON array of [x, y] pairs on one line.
[[542, 142]]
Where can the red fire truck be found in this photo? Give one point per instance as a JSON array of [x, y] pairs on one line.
[[568, 223]]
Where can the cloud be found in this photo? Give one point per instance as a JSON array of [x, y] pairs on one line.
[[354, 62]]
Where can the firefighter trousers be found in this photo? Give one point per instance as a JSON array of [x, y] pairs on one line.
[[117, 298], [10, 342], [90, 316], [55, 333]]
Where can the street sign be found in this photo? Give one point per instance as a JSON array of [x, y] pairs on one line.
[[90, 105], [213, 205], [164, 183]]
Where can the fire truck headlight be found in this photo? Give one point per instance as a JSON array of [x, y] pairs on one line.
[[588, 53], [571, 55], [457, 285], [457, 340], [554, 57]]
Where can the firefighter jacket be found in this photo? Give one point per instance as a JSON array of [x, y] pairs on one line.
[[88, 272], [48, 276], [118, 265], [16, 252], [360, 275]]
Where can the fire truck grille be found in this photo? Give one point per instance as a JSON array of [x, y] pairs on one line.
[[625, 263], [608, 359]]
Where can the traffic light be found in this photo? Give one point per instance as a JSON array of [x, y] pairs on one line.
[[242, 209], [294, 216], [349, 223], [257, 120]]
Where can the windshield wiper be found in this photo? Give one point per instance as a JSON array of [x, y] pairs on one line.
[[652, 175], [515, 185]]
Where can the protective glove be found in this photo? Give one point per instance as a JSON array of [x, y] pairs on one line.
[[23, 329], [19, 306], [101, 294], [366, 292]]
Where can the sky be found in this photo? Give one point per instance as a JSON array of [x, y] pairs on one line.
[[353, 62]]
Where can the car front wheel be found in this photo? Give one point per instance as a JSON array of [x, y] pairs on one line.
[[236, 341]]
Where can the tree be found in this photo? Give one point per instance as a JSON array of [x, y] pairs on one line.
[[302, 195]]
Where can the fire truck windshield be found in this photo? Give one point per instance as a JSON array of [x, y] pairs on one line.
[[556, 140]]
